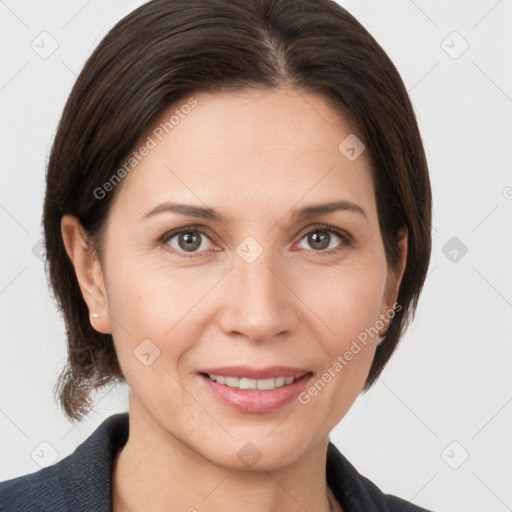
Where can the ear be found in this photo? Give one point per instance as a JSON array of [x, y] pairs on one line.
[[395, 275], [88, 272]]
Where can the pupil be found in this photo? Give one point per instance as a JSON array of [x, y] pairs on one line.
[[319, 240], [189, 241]]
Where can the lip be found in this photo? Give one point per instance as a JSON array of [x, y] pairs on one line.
[[255, 401], [257, 373]]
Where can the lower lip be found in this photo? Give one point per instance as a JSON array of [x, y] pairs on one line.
[[254, 400]]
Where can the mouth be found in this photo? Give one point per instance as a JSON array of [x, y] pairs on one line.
[[253, 390], [246, 383]]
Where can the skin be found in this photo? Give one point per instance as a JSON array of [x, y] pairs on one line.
[[255, 157]]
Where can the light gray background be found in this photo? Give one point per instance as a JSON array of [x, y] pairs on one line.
[[451, 378]]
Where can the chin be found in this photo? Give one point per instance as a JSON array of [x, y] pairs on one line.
[[249, 457], [258, 454]]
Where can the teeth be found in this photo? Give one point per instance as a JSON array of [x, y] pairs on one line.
[[244, 383], [232, 382], [266, 384]]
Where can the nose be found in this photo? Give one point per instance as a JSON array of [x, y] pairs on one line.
[[257, 302]]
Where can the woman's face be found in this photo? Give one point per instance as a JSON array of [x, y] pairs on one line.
[[247, 286]]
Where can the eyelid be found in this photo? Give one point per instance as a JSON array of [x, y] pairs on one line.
[[199, 228], [326, 227]]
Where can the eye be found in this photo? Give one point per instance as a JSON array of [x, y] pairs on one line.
[[321, 238], [190, 240], [193, 241]]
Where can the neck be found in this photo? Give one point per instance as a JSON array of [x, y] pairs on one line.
[[155, 471]]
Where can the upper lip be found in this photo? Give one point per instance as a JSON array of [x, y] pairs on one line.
[[257, 373]]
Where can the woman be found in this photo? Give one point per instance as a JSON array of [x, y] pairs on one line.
[[237, 224]]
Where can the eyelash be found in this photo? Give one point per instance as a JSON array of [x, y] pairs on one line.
[[345, 237]]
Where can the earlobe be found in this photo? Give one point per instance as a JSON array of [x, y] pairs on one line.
[[88, 272]]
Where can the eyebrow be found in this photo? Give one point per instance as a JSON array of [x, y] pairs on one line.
[[201, 212], [325, 208]]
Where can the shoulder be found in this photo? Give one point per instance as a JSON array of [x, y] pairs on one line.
[[79, 482], [30, 492], [356, 492]]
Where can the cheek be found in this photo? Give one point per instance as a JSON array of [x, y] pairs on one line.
[[148, 300], [349, 303], [348, 299], [142, 291]]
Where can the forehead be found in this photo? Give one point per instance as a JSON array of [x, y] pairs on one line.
[[288, 117], [251, 148]]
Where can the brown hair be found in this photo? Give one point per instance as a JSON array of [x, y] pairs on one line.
[[165, 51]]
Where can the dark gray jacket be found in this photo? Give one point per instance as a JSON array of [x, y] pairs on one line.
[[81, 481]]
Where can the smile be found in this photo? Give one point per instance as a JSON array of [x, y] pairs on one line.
[[255, 390], [245, 383]]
